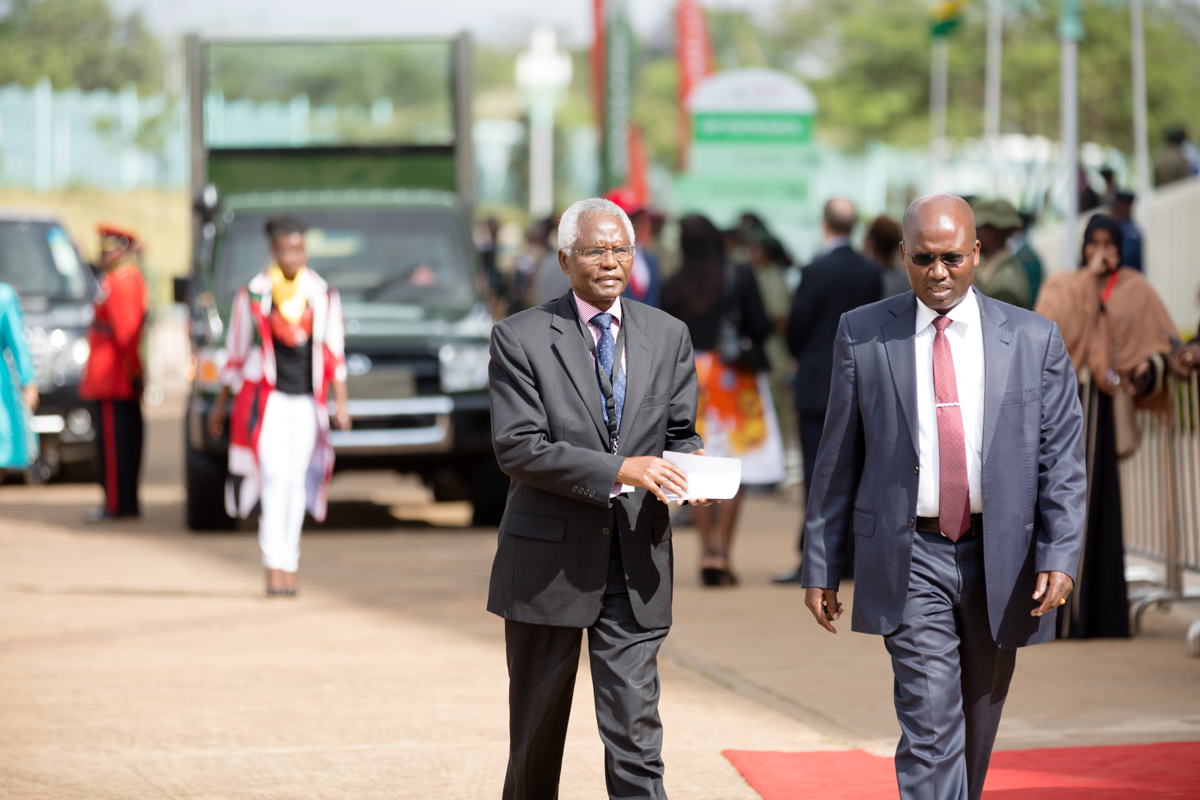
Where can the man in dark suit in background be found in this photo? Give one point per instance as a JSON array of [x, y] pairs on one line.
[[587, 391], [953, 454], [835, 282]]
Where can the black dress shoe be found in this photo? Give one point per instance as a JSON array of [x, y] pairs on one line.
[[793, 576]]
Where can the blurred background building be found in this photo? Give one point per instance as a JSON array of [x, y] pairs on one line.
[[767, 106]]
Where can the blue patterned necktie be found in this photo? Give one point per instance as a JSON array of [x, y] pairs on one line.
[[606, 352]]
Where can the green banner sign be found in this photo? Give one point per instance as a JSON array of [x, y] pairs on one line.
[[751, 128]]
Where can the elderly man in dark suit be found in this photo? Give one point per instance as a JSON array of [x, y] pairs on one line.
[[587, 391], [953, 455], [837, 281]]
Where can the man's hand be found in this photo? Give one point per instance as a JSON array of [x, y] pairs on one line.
[[824, 605], [1052, 590], [656, 474]]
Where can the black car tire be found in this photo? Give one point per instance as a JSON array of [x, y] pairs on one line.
[[489, 493], [205, 504]]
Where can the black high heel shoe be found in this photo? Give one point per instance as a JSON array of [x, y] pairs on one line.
[[716, 576]]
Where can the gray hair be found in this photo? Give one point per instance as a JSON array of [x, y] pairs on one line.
[[568, 226]]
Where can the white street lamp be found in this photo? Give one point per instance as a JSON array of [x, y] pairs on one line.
[[543, 73]]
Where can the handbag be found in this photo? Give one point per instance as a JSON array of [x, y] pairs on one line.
[[733, 348]]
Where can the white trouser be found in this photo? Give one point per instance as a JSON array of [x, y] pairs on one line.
[[285, 448]]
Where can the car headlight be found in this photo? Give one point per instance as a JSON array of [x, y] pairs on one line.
[[209, 363], [58, 356], [79, 421], [464, 367], [80, 351]]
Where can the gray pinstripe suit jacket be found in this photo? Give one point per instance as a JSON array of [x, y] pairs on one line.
[[552, 559]]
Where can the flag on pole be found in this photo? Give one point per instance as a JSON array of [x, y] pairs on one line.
[[694, 54], [945, 16]]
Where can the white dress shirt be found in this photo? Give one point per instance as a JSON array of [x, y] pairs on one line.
[[965, 335]]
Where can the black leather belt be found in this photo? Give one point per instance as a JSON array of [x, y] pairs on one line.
[[930, 525]]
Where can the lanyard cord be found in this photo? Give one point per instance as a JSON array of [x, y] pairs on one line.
[[606, 383]]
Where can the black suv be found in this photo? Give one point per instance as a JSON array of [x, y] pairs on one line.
[[56, 287]]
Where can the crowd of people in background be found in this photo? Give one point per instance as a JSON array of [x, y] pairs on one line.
[[763, 328]]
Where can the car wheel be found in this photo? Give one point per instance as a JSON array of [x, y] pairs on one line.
[[489, 492], [205, 505]]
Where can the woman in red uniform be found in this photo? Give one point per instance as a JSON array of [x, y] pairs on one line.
[[113, 375]]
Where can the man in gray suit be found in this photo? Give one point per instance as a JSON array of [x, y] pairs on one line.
[[587, 391], [952, 450]]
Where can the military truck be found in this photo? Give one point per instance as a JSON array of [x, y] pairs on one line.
[[367, 142]]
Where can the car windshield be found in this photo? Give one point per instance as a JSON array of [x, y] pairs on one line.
[[413, 257], [38, 260]]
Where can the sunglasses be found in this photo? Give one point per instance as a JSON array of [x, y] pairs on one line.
[[927, 259]]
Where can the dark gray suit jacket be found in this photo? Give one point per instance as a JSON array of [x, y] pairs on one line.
[[1033, 480], [834, 283], [551, 563]]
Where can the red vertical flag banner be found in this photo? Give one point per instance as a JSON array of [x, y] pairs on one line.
[[638, 165], [694, 53]]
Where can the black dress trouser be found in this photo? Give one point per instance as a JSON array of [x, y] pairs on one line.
[[119, 433], [542, 664]]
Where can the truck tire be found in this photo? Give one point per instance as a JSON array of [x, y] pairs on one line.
[[489, 493], [205, 505]]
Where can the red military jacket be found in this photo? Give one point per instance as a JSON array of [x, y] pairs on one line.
[[114, 366]]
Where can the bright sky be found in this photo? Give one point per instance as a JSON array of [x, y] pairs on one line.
[[491, 21]]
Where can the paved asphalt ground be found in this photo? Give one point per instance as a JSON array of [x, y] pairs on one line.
[[139, 661]]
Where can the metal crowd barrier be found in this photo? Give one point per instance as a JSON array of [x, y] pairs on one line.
[[1160, 501]]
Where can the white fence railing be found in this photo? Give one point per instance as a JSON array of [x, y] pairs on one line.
[[56, 140], [1160, 500]]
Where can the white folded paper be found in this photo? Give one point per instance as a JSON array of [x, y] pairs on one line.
[[708, 478]]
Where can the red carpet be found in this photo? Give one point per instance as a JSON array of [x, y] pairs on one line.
[[1145, 772]]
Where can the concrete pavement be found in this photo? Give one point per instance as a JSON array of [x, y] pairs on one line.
[[143, 662]]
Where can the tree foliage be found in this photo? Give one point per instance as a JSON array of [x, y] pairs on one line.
[[77, 43], [867, 61]]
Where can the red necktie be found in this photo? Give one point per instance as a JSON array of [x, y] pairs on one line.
[[954, 494]]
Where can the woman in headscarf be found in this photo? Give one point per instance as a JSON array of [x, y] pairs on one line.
[[1119, 336], [721, 305]]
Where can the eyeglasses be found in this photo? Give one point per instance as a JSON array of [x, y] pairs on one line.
[[927, 259], [595, 255]]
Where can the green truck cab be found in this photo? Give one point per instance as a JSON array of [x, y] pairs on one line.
[[335, 134]]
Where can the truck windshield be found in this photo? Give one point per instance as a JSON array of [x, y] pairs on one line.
[[410, 257], [303, 94], [38, 260]]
